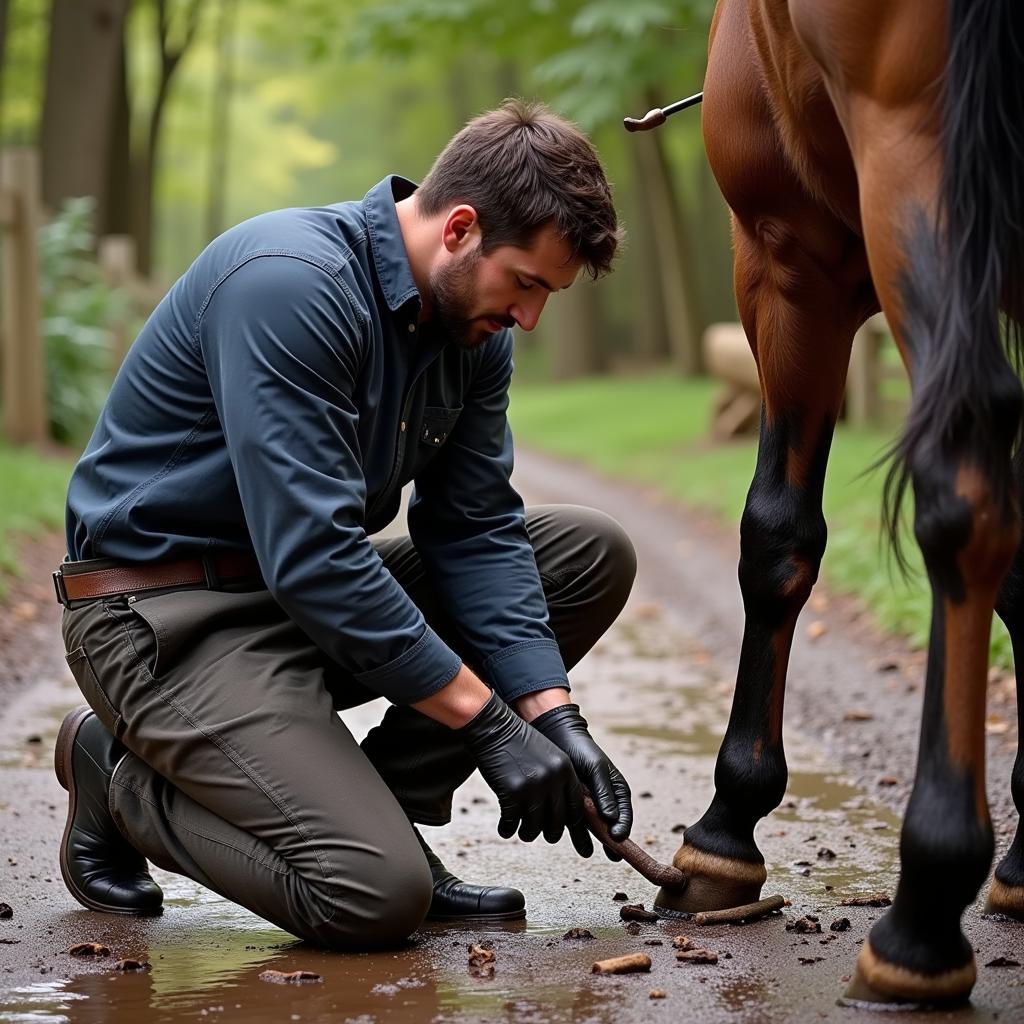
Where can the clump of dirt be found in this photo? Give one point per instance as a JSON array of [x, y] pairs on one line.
[[636, 912], [128, 964], [89, 949], [482, 960], [808, 925], [697, 956], [288, 977]]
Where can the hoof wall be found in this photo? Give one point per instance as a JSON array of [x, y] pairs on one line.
[[880, 985], [713, 883], [1007, 900]]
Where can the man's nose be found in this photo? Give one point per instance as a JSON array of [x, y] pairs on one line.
[[527, 314]]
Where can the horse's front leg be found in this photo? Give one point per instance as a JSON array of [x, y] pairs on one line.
[[800, 288]]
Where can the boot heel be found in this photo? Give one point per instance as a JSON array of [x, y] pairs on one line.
[[65, 744]]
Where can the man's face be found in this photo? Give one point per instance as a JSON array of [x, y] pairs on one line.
[[473, 296]]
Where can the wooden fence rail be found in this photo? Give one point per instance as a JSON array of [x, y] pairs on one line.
[[737, 409]]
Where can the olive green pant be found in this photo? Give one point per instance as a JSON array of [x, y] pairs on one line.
[[241, 775]]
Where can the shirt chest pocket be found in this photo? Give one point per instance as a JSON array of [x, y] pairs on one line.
[[431, 433], [437, 423]]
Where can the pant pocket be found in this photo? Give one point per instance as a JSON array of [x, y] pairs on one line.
[[95, 696]]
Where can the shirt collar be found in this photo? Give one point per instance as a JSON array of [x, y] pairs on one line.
[[386, 242]]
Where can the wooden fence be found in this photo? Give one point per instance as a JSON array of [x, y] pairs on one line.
[[22, 362], [22, 349], [737, 409]]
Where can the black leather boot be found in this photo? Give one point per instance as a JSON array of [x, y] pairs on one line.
[[455, 900], [101, 869]]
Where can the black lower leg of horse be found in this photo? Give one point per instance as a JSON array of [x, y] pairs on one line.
[[1007, 893], [967, 534], [782, 541]]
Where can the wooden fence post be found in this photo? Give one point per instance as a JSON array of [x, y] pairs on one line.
[[117, 260], [23, 366], [864, 399]]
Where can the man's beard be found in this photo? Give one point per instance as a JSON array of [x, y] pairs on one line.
[[451, 298]]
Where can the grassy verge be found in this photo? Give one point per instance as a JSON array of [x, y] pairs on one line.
[[654, 430], [32, 492]]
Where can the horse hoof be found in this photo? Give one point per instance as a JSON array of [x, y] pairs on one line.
[[713, 883], [880, 985], [1006, 899]]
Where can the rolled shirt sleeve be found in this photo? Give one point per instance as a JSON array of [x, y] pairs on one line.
[[282, 340], [469, 527]]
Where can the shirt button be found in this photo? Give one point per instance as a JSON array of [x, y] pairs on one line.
[[403, 426], [412, 328]]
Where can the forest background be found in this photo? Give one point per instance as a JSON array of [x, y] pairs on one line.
[[163, 122]]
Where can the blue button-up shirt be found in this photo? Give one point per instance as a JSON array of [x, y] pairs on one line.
[[276, 402]]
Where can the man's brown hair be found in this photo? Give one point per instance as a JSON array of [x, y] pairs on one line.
[[521, 167]]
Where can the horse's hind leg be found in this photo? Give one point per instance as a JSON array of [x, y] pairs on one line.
[[965, 412], [1007, 893]]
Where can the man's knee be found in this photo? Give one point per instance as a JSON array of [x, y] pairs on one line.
[[379, 910], [617, 552], [611, 556]]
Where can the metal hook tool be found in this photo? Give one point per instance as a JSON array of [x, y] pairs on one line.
[[657, 116]]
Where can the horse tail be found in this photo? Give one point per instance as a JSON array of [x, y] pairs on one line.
[[969, 264]]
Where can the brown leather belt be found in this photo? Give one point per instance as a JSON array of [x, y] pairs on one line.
[[75, 581]]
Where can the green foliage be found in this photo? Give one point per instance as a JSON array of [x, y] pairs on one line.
[[79, 309], [22, 71], [32, 490], [593, 59], [653, 430]]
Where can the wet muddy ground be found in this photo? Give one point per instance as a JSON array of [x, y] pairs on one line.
[[657, 692]]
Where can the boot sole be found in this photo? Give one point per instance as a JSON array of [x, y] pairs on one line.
[[508, 915], [62, 766]]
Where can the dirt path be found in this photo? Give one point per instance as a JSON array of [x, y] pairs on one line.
[[657, 693]]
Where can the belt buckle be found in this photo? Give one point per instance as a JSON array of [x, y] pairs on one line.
[[59, 587]]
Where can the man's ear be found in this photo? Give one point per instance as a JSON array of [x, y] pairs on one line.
[[459, 228]]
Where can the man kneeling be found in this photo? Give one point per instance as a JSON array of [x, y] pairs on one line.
[[222, 596]]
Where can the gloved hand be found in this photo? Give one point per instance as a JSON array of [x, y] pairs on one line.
[[567, 729], [536, 786]]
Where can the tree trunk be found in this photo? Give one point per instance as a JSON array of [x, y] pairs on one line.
[[81, 77], [460, 96], [220, 132], [117, 209], [675, 267], [576, 320], [715, 269], [145, 162], [651, 341]]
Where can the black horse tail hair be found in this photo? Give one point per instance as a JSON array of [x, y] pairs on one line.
[[968, 264]]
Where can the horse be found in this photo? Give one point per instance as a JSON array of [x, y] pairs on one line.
[[872, 157]]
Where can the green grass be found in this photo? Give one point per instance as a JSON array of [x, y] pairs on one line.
[[655, 430], [32, 492]]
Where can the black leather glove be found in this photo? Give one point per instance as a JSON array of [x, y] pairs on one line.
[[536, 786], [567, 729]]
